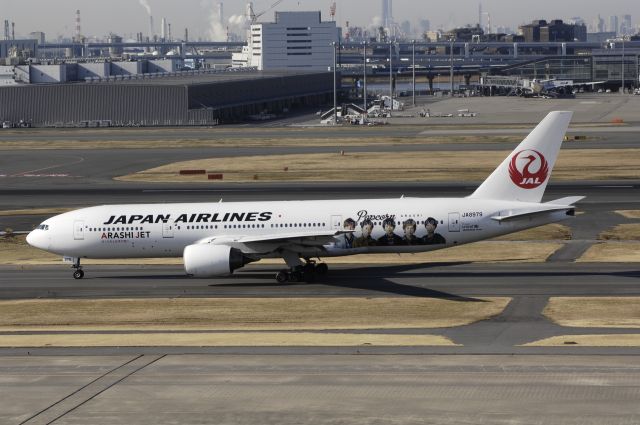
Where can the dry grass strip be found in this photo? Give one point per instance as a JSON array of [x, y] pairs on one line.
[[622, 232], [633, 214], [36, 211], [230, 339], [619, 340], [262, 140], [601, 164], [594, 312], [554, 231], [245, 313], [612, 252]]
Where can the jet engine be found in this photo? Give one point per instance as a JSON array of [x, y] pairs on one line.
[[206, 260]]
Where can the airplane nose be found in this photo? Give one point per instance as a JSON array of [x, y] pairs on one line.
[[36, 239]]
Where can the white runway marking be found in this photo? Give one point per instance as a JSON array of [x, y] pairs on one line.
[[31, 173]]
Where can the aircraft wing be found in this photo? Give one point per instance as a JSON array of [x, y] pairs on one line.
[[307, 238], [263, 244]]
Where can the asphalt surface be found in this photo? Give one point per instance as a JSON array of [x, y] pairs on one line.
[[529, 285], [285, 389], [487, 379], [85, 168]]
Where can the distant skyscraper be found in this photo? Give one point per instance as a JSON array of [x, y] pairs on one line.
[[600, 24], [405, 26], [613, 24], [626, 28], [387, 13], [425, 25]]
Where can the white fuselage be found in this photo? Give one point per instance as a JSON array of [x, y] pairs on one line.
[[164, 230]]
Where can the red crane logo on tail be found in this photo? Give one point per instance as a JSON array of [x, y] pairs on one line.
[[521, 165]]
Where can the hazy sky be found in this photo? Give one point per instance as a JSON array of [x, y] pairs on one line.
[[124, 17]]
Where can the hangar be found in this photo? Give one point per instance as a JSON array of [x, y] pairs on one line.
[[164, 100]]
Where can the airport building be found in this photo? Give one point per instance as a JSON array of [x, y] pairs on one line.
[[193, 99], [296, 40], [553, 31], [603, 66]]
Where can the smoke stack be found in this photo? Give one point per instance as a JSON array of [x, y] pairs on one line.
[[251, 16], [77, 37], [169, 32], [151, 34], [220, 13], [6, 29], [13, 31], [163, 29], [186, 34]]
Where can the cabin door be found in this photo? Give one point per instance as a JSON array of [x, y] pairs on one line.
[[78, 230], [167, 230], [454, 222]]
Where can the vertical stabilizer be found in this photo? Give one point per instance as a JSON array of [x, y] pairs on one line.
[[524, 174]]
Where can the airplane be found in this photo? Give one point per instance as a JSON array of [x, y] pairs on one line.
[[215, 239], [553, 87]]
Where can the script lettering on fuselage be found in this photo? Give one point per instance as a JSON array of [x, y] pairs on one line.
[[190, 218], [364, 214]]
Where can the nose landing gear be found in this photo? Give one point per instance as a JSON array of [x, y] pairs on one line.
[[78, 273]]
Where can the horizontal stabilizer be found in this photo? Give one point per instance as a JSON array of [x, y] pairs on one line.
[[564, 204], [569, 200]]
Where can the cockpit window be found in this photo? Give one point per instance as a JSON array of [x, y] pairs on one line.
[[43, 227]]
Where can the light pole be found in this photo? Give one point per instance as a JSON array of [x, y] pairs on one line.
[[622, 88], [335, 87], [390, 77], [365, 79], [451, 60], [413, 60]]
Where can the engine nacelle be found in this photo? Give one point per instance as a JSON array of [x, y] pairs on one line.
[[206, 260]]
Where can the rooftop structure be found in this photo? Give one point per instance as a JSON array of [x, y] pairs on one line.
[[553, 31]]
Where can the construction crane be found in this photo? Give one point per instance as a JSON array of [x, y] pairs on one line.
[[253, 17]]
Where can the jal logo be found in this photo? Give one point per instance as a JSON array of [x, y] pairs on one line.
[[528, 169]]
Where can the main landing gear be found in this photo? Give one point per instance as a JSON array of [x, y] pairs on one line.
[[78, 273], [307, 272]]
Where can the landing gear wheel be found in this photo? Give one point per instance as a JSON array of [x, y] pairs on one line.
[[282, 276], [309, 275], [78, 274], [295, 276], [322, 269]]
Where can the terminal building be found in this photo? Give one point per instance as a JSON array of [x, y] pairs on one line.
[[296, 40]]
